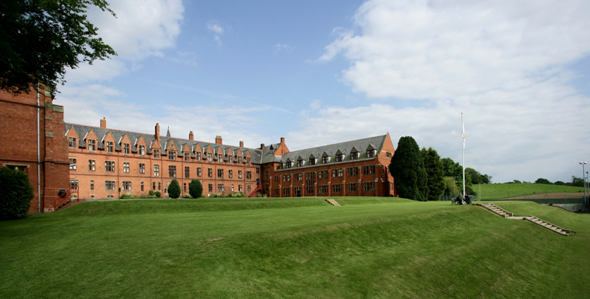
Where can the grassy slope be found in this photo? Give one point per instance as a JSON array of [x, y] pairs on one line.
[[300, 248], [500, 191]]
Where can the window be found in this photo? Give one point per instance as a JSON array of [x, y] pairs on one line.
[[287, 178], [142, 150], [352, 171], [156, 170], [153, 185], [312, 161], [220, 158], [91, 185], [323, 189], [232, 187], [339, 157], [289, 164], [141, 168], [352, 187], [230, 173], [91, 144], [299, 163], [220, 188], [109, 166], [249, 175], [325, 159], [156, 154], [276, 194], [187, 172], [369, 186], [126, 149], [309, 179], [184, 188], [209, 157], [371, 153], [298, 177], [286, 191], [199, 171], [248, 160], [210, 172], [239, 174], [187, 156], [276, 178], [171, 155], [334, 173], [172, 171], [126, 186], [239, 159], [142, 186], [370, 169], [159, 186], [229, 159], [109, 185], [126, 167], [72, 142], [109, 146], [91, 165], [220, 173], [340, 173], [198, 155], [337, 188], [210, 188], [74, 185], [249, 189], [240, 188], [73, 164], [354, 155]]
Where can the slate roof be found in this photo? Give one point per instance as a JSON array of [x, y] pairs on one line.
[[150, 141], [359, 145]]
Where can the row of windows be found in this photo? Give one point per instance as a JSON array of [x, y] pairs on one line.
[[323, 189], [324, 174], [326, 159], [126, 186], [109, 146], [110, 167]]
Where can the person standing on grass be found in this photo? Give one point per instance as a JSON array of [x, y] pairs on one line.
[[459, 199]]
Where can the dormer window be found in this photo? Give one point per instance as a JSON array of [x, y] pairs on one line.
[[91, 144], [198, 155], [142, 150], [354, 155], [187, 156], [209, 157], [325, 159], [171, 155], [299, 162], [289, 164], [339, 157], [156, 154], [239, 159], [126, 148], [220, 158], [72, 142], [371, 153], [312, 161], [281, 165], [109, 146], [230, 159]]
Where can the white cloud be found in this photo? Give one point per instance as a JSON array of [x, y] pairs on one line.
[[282, 47], [502, 63], [141, 29], [215, 27]]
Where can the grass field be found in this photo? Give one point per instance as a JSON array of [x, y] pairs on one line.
[[500, 191], [292, 248]]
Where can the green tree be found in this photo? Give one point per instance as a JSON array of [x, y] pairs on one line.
[[39, 39], [16, 193], [542, 181], [174, 189], [195, 188], [407, 167], [435, 173]]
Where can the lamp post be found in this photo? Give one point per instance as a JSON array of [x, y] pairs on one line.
[[584, 178]]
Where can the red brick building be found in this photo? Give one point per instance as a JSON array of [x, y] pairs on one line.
[[105, 163], [32, 140]]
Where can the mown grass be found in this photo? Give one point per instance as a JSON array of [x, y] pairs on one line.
[[292, 248], [499, 191]]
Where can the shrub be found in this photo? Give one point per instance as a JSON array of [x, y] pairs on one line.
[[152, 193], [16, 194], [174, 189], [126, 196], [187, 196], [158, 194], [195, 188]]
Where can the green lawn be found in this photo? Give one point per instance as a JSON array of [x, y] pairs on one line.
[[292, 248], [500, 191]]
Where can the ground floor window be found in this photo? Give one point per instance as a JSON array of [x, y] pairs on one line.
[[369, 186], [109, 185], [277, 192], [210, 188], [286, 191], [352, 187], [126, 186], [74, 185], [337, 188], [309, 190], [323, 189], [220, 188]]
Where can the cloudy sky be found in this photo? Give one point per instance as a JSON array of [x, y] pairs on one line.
[[319, 72]]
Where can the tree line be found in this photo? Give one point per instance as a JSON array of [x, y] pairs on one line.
[[421, 174]]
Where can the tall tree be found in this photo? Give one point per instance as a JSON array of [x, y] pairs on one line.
[[435, 172], [39, 39], [174, 189], [407, 167]]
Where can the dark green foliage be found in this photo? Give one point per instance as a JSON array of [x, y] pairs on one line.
[[407, 167], [174, 189], [435, 172], [561, 183], [195, 188], [577, 182], [39, 39], [16, 193], [452, 169], [152, 193], [158, 194], [542, 181]]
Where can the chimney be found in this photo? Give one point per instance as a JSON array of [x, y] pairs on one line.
[[157, 131], [262, 146], [282, 140], [241, 143], [191, 136], [103, 123], [218, 140]]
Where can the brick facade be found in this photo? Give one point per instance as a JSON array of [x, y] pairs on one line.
[[32, 140]]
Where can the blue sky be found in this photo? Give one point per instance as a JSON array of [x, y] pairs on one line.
[[318, 72]]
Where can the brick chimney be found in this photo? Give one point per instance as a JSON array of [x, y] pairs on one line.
[[103, 123], [218, 140], [241, 143], [262, 146], [157, 131], [191, 136], [282, 140]]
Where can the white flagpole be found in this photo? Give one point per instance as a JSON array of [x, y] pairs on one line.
[[463, 125]]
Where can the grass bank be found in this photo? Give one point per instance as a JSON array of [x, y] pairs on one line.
[[291, 248], [500, 191]]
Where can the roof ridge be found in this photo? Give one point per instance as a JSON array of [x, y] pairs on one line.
[[309, 148]]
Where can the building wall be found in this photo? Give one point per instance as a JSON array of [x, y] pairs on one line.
[[44, 158]]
